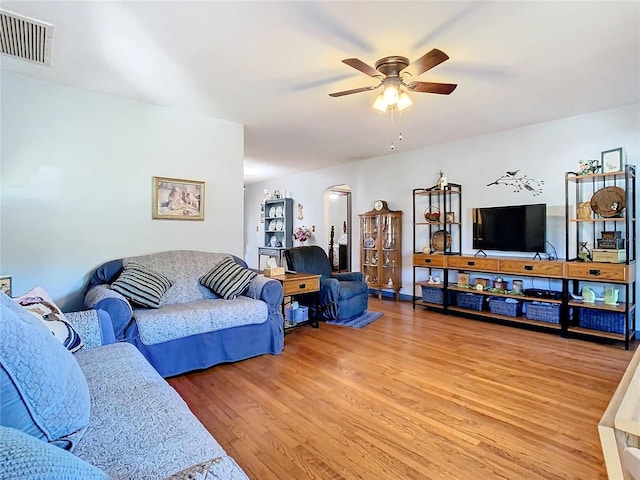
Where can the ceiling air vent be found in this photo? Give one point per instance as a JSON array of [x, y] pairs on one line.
[[25, 38]]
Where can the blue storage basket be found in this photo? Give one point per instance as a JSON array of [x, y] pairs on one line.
[[469, 300], [297, 315], [543, 312], [500, 306], [602, 320], [432, 294]]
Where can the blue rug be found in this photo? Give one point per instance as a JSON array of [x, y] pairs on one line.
[[358, 322]]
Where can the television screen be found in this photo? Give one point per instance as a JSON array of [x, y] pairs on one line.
[[514, 228]]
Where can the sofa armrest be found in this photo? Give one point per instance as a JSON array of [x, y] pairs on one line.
[[266, 289], [93, 326], [101, 297], [348, 276]]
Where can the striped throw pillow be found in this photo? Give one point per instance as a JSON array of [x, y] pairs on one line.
[[141, 285], [228, 279]]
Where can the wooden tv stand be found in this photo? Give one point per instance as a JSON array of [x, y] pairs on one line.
[[570, 275]]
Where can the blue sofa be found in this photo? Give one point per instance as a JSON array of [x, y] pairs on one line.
[[101, 413], [193, 328]]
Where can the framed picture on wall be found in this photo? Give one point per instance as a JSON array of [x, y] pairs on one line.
[[612, 160], [176, 199], [5, 284]]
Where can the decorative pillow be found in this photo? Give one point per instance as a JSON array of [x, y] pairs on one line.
[[141, 285], [228, 279], [23, 456], [43, 391], [39, 303]]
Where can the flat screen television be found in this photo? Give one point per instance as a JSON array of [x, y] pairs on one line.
[[513, 228]]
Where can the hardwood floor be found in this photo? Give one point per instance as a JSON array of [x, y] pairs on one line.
[[414, 395]]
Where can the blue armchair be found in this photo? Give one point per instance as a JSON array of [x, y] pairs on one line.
[[341, 296]]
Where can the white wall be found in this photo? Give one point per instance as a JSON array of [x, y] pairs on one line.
[[543, 151], [77, 171]]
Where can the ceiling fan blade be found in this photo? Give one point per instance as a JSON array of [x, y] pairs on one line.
[[363, 67], [426, 62], [355, 90], [430, 87]]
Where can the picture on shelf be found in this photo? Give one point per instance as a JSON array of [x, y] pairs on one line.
[[612, 160]]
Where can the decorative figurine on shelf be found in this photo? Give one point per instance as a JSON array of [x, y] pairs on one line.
[[588, 295], [583, 211], [584, 254], [442, 181], [276, 194], [587, 167], [610, 295]]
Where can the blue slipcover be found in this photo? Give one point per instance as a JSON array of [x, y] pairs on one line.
[[42, 390], [342, 295], [202, 350]]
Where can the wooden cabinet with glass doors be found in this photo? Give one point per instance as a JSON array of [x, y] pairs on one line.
[[381, 248]]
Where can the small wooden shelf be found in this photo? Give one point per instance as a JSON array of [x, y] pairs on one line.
[[599, 333], [429, 304], [506, 318], [504, 295], [599, 305], [434, 285]]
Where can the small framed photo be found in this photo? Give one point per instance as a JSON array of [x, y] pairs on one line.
[[611, 160], [176, 199], [5, 284], [450, 217]]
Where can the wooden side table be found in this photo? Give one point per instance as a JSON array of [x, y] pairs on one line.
[[295, 284]]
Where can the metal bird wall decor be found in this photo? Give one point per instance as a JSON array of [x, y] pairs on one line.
[[519, 182]]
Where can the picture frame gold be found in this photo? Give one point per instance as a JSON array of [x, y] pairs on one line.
[[5, 284], [177, 199]]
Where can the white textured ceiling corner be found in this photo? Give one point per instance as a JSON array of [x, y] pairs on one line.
[[271, 65]]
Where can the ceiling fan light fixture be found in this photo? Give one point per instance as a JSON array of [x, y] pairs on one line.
[[391, 94], [404, 101], [380, 103]]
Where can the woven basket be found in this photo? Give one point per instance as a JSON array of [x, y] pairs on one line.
[[543, 312], [608, 201], [432, 294], [469, 300], [602, 320], [500, 306]]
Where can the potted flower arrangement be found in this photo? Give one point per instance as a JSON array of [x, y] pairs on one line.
[[302, 234]]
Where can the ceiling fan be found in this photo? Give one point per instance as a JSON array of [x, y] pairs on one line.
[[392, 72]]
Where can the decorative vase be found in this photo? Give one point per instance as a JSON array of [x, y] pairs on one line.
[[588, 295], [610, 296]]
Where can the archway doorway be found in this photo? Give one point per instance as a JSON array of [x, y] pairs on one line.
[[337, 218]]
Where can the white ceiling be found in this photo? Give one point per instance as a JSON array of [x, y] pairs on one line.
[[271, 65]]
